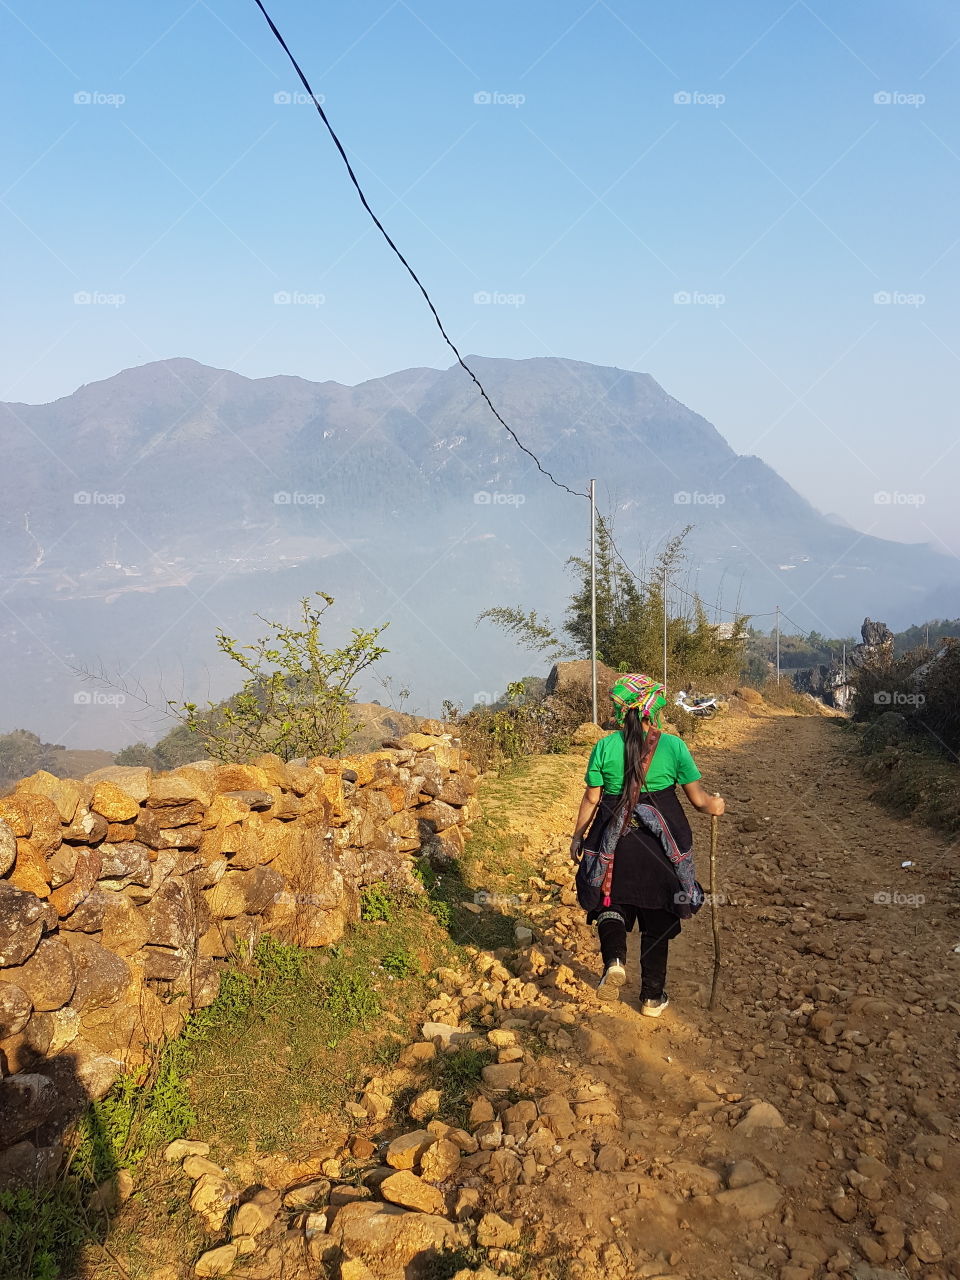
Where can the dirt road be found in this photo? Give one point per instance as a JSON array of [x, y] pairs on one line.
[[808, 1127]]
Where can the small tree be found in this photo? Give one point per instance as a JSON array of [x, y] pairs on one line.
[[139, 754], [630, 620], [295, 700]]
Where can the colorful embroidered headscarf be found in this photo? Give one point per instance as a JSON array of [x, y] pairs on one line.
[[641, 692]]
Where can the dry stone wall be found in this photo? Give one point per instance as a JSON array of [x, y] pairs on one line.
[[125, 893]]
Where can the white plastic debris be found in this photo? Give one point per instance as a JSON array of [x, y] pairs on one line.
[[906, 864]]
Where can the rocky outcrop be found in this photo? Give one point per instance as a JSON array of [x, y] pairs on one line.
[[124, 894], [876, 651], [827, 683]]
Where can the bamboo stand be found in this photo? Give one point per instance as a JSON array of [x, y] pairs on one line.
[[715, 919]]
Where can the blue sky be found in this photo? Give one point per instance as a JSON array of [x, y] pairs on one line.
[[808, 170]]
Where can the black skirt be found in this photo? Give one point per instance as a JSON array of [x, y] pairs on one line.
[[643, 875]]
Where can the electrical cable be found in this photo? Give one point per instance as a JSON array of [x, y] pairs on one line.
[[410, 271], [576, 493]]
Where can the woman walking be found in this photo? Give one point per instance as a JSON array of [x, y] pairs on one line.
[[640, 839]]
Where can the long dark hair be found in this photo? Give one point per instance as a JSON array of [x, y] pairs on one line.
[[634, 775]]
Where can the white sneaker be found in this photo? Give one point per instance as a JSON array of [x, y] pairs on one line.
[[654, 1008], [614, 976]]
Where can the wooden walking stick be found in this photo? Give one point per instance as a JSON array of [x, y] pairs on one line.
[[715, 919]]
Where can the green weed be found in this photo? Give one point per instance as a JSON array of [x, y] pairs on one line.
[[38, 1230], [376, 904], [399, 963], [457, 1076]]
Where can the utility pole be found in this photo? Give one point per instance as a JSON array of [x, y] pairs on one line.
[[593, 596], [664, 629], [778, 644], [843, 668]]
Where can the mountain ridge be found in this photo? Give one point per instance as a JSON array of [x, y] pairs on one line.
[[176, 491]]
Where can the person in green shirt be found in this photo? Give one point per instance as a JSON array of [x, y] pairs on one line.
[[640, 765]]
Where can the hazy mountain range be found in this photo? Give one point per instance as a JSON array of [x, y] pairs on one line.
[[143, 512]]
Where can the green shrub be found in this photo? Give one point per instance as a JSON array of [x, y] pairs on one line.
[[399, 963], [295, 699], [41, 1232], [376, 904]]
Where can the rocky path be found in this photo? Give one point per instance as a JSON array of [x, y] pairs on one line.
[[806, 1128]]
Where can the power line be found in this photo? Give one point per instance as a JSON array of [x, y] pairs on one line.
[[576, 493], [410, 271]]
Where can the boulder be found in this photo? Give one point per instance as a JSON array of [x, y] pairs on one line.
[[127, 862], [171, 915], [133, 779], [35, 817], [502, 1075], [180, 1148], [440, 816], [494, 1232], [87, 828], [48, 976], [406, 1189], [26, 1165], [756, 1200], [440, 1161], [25, 1102], [239, 777], [22, 919], [223, 811], [262, 840], [62, 865], [762, 1115], [164, 964], [125, 928], [29, 1047], [455, 790], [102, 976], [405, 1151], [245, 893], [59, 1029], [8, 847], [390, 1236], [695, 1178], [112, 803], [69, 896], [216, 1262], [212, 1198], [179, 815], [312, 906], [257, 1214], [179, 788], [65, 793], [15, 1008], [443, 848], [30, 871], [572, 681]]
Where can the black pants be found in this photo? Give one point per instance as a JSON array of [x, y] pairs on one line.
[[656, 930]]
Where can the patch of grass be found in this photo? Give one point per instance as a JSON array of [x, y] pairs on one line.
[[446, 892], [529, 1266], [914, 780], [785, 696], [457, 1075], [444, 1266], [290, 1037]]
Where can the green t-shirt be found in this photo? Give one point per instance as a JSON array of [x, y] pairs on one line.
[[671, 763]]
